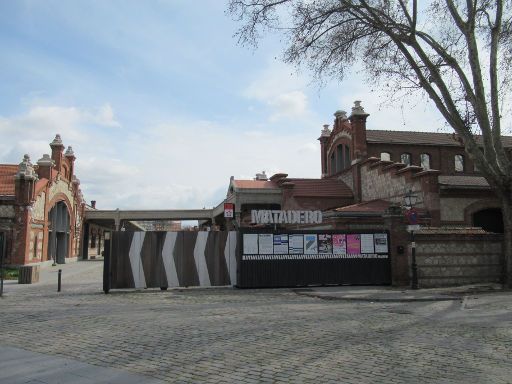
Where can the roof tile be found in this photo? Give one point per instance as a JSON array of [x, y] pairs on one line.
[[7, 173]]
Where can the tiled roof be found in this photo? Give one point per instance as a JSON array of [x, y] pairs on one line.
[[463, 181], [254, 184], [320, 188], [378, 206], [7, 173], [426, 138]]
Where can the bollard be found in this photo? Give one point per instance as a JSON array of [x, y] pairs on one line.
[[59, 280]]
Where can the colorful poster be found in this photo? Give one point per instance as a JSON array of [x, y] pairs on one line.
[[367, 243], [266, 243], [310, 244], [324, 243], [296, 244], [339, 245], [353, 244], [381, 242], [250, 244], [280, 244]]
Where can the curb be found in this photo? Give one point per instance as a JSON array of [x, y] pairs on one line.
[[379, 299]]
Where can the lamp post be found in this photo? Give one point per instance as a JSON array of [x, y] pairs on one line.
[[410, 200]]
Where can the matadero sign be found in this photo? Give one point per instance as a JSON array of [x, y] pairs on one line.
[[285, 217]]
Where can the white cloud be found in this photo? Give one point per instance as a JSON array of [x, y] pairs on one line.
[[32, 131], [183, 163], [281, 90]]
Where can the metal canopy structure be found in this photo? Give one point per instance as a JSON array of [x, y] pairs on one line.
[[114, 218]]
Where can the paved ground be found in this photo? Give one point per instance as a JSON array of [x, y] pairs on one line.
[[258, 336]]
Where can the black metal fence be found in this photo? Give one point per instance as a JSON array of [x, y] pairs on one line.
[[302, 258]]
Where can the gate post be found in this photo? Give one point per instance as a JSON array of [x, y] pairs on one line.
[[398, 241], [106, 263]]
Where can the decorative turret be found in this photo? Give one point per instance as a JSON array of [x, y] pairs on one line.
[[70, 155], [324, 138], [44, 167], [25, 180], [57, 149], [358, 122]]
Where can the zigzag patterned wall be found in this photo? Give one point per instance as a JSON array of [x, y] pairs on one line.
[[173, 259]]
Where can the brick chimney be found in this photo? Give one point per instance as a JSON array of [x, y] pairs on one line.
[[44, 167], [93, 204], [358, 121], [324, 139], [57, 149]]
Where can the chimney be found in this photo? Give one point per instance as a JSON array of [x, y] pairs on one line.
[[93, 204], [57, 149], [44, 167], [324, 139], [358, 121], [261, 176]]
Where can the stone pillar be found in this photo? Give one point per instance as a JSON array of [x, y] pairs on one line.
[[44, 167], [324, 139], [398, 246]]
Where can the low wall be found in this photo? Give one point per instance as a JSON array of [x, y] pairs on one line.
[[453, 258]]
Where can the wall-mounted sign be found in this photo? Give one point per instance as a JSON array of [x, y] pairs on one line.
[[229, 210], [285, 217]]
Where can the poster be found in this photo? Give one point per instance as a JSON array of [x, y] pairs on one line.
[[266, 243], [250, 244], [296, 244], [381, 242], [339, 245], [324, 243], [310, 244], [367, 243], [280, 244], [353, 244]]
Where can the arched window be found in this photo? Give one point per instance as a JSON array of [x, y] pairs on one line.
[[333, 164], [405, 158], [385, 156], [459, 163], [339, 158], [348, 160], [425, 161]]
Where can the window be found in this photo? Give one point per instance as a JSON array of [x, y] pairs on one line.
[[385, 156], [339, 158], [348, 160], [333, 164], [459, 163], [425, 160], [405, 158]]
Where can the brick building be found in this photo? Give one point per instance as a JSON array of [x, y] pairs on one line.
[[382, 166], [41, 208]]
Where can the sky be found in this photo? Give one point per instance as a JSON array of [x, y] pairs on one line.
[[162, 105]]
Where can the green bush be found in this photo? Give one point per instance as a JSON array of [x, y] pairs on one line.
[[10, 273]]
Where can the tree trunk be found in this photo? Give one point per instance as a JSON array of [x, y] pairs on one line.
[[507, 240]]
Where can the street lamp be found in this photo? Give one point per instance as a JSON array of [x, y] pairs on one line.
[[410, 200]]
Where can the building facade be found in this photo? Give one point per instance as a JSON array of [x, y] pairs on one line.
[[41, 208]]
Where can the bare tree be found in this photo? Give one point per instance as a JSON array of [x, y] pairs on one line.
[[458, 52]]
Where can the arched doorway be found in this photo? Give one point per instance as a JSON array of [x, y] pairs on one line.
[[58, 233], [490, 219]]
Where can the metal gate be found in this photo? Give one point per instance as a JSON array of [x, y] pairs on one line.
[[169, 259], [302, 258]]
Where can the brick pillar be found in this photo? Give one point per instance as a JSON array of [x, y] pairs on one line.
[[398, 247], [57, 152], [324, 139], [358, 122]]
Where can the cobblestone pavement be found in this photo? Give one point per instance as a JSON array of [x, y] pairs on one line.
[[262, 336]]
